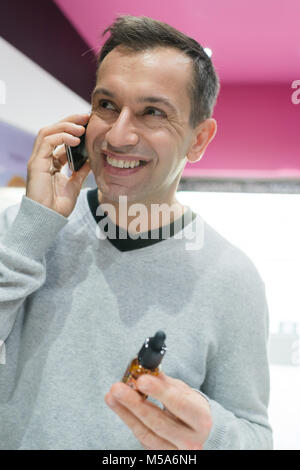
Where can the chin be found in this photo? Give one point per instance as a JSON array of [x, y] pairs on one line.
[[112, 192]]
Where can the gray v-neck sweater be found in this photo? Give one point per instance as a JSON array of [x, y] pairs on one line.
[[74, 310]]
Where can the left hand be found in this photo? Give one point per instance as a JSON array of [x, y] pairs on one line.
[[185, 423]]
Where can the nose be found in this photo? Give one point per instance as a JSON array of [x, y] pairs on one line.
[[122, 132]]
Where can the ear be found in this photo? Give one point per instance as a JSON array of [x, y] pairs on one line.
[[204, 133]]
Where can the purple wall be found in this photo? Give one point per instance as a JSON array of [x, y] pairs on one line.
[[15, 150]]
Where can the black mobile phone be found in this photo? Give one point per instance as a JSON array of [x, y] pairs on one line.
[[77, 156]]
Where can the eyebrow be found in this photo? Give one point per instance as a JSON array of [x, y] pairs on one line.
[[140, 99]]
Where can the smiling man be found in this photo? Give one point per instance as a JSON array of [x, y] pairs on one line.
[[141, 114], [76, 307]]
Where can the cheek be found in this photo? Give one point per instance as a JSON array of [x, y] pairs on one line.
[[161, 140], [94, 137], [167, 147]]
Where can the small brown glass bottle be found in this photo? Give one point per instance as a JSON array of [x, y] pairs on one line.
[[147, 361]]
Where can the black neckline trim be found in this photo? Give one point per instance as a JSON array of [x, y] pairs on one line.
[[128, 243]]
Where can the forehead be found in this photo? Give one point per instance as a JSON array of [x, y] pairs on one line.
[[161, 70]]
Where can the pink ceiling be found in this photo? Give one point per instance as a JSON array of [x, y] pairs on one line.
[[252, 40]]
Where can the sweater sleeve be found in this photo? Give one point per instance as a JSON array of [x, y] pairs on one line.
[[26, 231], [237, 379]]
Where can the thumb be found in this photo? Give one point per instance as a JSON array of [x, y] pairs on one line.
[[77, 178]]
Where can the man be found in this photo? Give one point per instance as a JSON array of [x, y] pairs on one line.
[[76, 306]]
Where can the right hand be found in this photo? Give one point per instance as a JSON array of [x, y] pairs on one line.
[[53, 189]]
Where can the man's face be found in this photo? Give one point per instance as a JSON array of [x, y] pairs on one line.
[[150, 130]]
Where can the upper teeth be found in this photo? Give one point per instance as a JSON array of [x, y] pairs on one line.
[[122, 163]]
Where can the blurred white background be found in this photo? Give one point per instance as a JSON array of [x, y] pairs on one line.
[[267, 228]]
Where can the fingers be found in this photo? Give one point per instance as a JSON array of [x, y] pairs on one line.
[[77, 178], [181, 400], [153, 418], [146, 436], [59, 157], [77, 118], [72, 124], [45, 183], [65, 133]]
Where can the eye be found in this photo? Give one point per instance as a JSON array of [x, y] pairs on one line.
[[103, 101], [151, 109], [162, 114]]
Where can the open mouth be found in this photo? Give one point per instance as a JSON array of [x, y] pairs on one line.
[[124, 165]]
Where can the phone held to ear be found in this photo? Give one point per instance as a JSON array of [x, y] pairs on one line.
[[77, 156]]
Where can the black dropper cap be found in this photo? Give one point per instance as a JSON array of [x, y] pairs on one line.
[[152, 351]]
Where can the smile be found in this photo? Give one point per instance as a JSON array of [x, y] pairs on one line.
[[124, 167], [122, 163]]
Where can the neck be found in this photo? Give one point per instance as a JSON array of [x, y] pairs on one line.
[[145, 217]]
